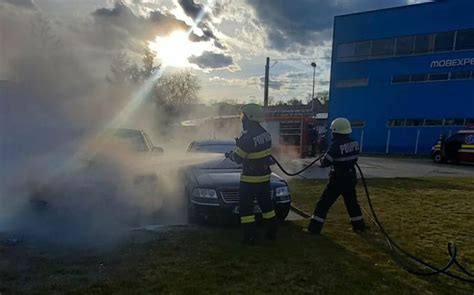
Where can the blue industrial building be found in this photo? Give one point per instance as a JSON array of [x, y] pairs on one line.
[[404, 75]]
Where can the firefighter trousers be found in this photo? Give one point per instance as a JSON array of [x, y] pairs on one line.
[[343, 185], [249, 192]]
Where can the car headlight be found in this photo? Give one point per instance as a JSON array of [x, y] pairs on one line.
[[205, 193], [282, 191]]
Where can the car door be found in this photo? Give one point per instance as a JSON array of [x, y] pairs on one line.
[[466, 153], [453, 146]]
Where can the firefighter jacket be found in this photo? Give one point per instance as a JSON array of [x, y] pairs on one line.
[[342, 155], [253, 150]]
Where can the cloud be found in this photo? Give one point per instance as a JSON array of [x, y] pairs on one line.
[[272, 84], [143, 27], [124, 28], [191, 8], [256, 82], [167, 22], [128, 31], [194, 11], [292, 24], [211, 60], [29, 4]]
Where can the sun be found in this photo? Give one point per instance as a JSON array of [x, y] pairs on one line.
[[175, 49]]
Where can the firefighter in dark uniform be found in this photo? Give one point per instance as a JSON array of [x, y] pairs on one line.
[[342, 157], [253, 151]]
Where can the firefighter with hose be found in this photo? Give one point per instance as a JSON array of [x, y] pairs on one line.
[[342, 157], [253, 151]]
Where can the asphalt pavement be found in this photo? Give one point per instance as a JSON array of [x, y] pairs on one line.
[[385, 167]]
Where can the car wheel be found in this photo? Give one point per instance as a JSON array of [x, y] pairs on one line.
[[282, 211], [438, 158]]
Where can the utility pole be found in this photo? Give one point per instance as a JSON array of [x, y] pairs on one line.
[[313, 64], [313, 108], [267, 78]]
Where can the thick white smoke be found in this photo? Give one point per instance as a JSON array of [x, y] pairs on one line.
[[61, 183]]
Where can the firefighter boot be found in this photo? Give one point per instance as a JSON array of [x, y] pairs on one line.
[[249, 234], [359, 226], [315, 227], [272, 228]]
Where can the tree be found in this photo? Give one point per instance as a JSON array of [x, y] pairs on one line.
[[174, 91], [295, 102], [271, 100], [148, 64], [134, 74], [323, 96], [120, 70], [280, 103]]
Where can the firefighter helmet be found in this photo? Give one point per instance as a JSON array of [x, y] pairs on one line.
[[253, 112], [341, 126]]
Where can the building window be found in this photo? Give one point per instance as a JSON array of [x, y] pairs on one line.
[[358, 124], [352, 83], [418, 78], [444, 41], [465, 40], [354, 51], [396, 123], [362, 49], [433, 122], [424, 44], [346, 50], [401, 79], [430, 122], [453, 122], [405, 46], [461, 75], [384, 47], [414, 122], [435, 77], [439, 77]]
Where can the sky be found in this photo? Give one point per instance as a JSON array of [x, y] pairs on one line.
[[226, 49]]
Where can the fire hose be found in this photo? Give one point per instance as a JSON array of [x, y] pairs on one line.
[[394, 246]]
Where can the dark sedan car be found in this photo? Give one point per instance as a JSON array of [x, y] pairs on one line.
[[212, 188]]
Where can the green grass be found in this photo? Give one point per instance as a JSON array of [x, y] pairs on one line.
[[421, 213]]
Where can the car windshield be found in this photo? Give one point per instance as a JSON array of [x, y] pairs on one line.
[[133, 140]]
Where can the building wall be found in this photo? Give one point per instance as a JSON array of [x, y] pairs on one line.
[[377, 101]]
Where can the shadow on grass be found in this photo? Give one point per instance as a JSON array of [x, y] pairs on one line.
[[202, 260], [213, 261]]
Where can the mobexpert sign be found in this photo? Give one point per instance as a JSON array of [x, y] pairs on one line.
[[457, 62]]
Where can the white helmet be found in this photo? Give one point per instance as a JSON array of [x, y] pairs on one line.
[[341, 126]]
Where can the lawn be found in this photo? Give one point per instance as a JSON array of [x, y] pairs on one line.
[[421, 213]]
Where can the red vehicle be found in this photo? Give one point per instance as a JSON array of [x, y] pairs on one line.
[[294, 129], [457, 148]]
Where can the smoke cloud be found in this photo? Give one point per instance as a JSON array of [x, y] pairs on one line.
[[64, 177]]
